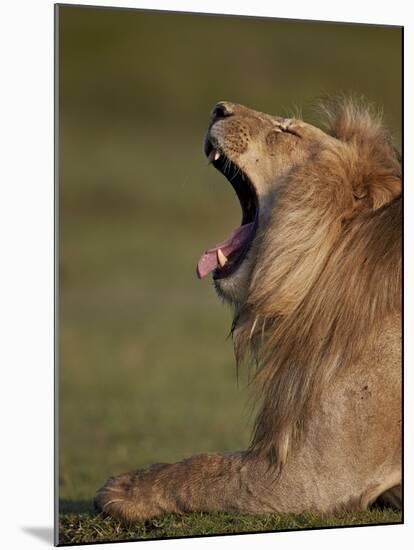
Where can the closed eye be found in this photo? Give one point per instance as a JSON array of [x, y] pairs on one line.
[[290, 130]]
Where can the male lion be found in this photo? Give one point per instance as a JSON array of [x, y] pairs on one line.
[[313, 276]]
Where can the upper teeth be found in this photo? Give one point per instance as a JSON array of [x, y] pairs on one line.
[[214, 155], [221, 258]]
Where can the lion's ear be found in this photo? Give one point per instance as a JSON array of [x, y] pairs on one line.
[[378, 189], [385, 190]]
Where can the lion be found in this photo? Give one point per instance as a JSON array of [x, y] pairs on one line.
[[313, 276]]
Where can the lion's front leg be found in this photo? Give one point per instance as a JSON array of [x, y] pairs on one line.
[[238, 482], [206, 482]]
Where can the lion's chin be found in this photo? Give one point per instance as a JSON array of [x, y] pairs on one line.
[[233, 288]]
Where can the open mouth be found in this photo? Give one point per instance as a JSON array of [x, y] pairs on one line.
[[224, 258]]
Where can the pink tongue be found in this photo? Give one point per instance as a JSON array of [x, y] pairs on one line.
[[208, 260]]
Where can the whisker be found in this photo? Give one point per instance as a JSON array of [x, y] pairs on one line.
[[253, 327], [112, 501]]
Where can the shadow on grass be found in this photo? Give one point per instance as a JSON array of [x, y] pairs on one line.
[[76, 507]]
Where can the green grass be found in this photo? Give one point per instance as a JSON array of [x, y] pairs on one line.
[[87, 527], [146, 373]]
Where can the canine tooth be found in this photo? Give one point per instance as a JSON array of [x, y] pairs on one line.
[[221, 258], [217, 155], [212, 155]]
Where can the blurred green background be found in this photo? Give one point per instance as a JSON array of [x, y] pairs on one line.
[[146, 372]]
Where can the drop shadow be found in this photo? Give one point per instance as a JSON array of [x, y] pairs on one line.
[[43, 533], [46, 534]]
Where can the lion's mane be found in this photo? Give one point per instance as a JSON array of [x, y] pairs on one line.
[[328, 273]]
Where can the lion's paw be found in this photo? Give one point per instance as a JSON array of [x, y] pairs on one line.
[[119, 498]]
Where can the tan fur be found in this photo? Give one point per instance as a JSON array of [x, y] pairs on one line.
[[317, 308], [330, 272]]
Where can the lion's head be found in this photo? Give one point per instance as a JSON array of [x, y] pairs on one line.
[[285, 171], [313, 267]]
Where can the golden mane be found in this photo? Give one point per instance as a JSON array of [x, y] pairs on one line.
[[327, 275]]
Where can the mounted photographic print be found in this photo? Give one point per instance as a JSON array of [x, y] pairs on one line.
[[229, 284]]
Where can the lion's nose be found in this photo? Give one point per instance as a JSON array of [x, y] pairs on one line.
[[222, 109]]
